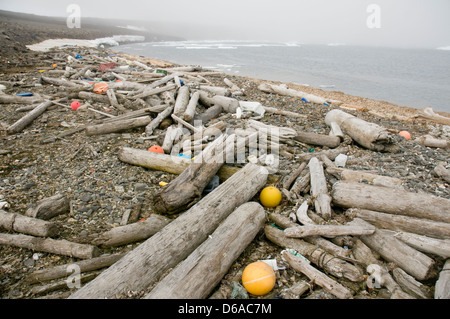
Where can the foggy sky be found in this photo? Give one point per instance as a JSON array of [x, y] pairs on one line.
[[404, 23]]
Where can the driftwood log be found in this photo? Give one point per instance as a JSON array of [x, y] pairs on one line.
[[27, 225], [198, 274], [61, 270], [319, 189], [49, 207], [182, 101], [409, 224], [331, 264], [410, 285], [189, 113], [303, 265], [391, 200], [329, 231], [442, 172], [172, 164], [130, 233], [187, 188], [394, 250], [60, 247], [154, 124], [118, 126], [431, 141], [145, 264], [442, 287], [348, 175], [368, 135], [439, 247], [23, 122], [318, 139]]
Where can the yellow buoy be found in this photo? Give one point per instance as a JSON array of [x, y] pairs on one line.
[[258, 278], [270, 197]]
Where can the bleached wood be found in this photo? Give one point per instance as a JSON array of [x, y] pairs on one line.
[[133, 232], [439, 247], [49, 207], [118, 126], [60, 271], [319, 278], [420, 226], [393, 250], [391, 200], [368, 135], [146, 264], [189, 113], [328, 231], [182, 101], [199, 274], [54, 246], [27, 119], [334, 264], [27, 225], [319, 189], [153, 125]]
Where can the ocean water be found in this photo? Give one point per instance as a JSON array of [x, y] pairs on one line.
[[416, 78]]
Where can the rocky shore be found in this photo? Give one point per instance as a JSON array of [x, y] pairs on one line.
[[54, 155]]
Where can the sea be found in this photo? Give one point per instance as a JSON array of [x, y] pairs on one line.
[[415, 78]]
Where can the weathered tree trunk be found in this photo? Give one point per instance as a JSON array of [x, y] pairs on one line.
[[211, 113], [145, 264], [391, 200], [409, 224], [14, 99], [26, 120], [318, 139], [392, 249], [61, 271], [319, 190], [60, 247], [273, 110], [431, 141], [27, 225], [118, 126], [444, 173], [328, 262], [270, 88], [198, 274], [153, 125], [187, 188], [182, 101], [411, 286], [49, 207], [369, 135], [189, 113], [172, 164], [442, 287], [328, 231], [130, 233], [440, 247], [348, 175], [319, 278]]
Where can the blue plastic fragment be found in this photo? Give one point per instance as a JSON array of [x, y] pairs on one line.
[[25, 94]]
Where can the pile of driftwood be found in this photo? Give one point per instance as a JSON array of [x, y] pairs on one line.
[[187, 256]]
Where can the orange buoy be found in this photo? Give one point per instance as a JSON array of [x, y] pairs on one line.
[[156, 149], [258, 278]]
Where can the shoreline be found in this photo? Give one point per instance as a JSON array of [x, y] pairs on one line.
[[376, 107]]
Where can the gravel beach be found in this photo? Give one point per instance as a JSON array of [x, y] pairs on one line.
[[39, 162]]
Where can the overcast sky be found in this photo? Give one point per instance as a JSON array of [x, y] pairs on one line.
[[418, 23]]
